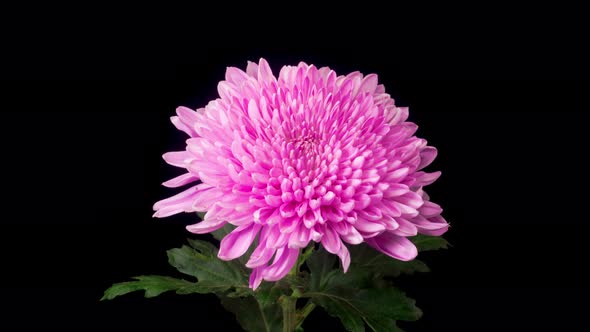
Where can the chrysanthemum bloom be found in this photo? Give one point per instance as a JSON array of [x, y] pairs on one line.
[[310, 156]]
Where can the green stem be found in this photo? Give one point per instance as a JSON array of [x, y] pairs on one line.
[[309, 306], [289, 304], [303, 256]]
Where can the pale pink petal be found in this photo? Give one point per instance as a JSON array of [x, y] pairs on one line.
[[395, 246], [252, 69], [180, 180], [206, 226], [367, 226], [285, 258], [344, 255], [180, 202], [300, 237], [330, 240], [265, 73], [185, 121], [427, 155], [236, 243], [235, 76], [434, 226], [405, 228], [424, 179], [261, 255], [177, 158], [255, 278]]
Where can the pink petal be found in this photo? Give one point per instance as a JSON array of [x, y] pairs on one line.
[[236, 243], [252, 69], [265, 73], [344, 255], [185, 120], [181, 180], [330, 240], [367, 226], [276, 239], [405, 228], [395, 246], [178, 158], [255, 278], [300, 237], [180, 202], [182, 126], [261, 255], [235, 76], [430, 209], [427, 155], [369, 83], [285, 258], [206, 226], [434, 226], [424, 179], [347, 233]]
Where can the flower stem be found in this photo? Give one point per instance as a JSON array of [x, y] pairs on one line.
[[288, 303], [305, 311]]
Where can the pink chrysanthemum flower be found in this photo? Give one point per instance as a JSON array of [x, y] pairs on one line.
[[310, 156]]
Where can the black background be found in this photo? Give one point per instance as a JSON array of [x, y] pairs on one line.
[[86, 118]]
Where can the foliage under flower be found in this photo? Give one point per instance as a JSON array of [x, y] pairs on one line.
[[364, 295]]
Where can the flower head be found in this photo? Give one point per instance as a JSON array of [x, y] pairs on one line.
[[308, 156]]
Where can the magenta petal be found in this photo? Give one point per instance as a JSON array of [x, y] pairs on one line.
[[285, 258], [344, 255], [405, 228], [261, 255], [348, 233], [300, 237], [252, 69], [255, 278], [276, 239], [206, 226], [427, 155], [177, 158], [183, 126], [430, 209], [434, 226], [181, 180], [206, 198], [424, 179], [236, 243], [264, 72], [366, 226], [180, 202], [395, 246], [330, 240]]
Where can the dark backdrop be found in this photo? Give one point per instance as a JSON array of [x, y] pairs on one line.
[[87, 119]]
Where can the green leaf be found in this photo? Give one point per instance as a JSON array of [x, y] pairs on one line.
[[358, 297], [322, 265], [262, 313], [152, 285], [201, 261], [427, 243], [379, 308]]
